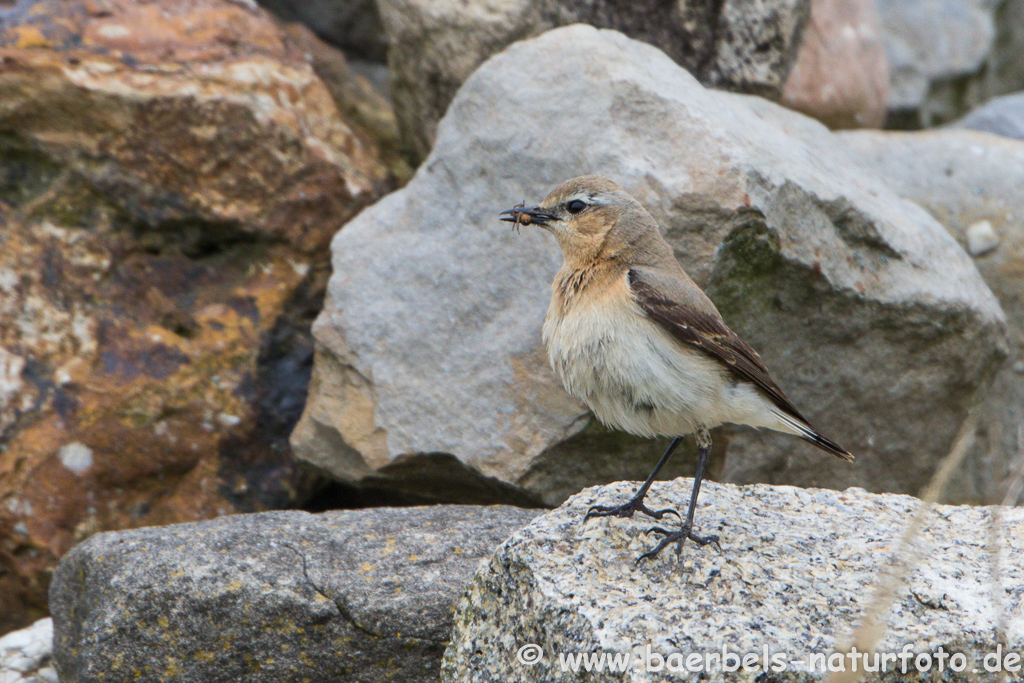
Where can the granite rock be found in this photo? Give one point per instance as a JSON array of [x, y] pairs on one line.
[[794, 576], [361, 596]]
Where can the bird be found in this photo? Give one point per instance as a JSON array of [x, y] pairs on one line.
[[630, 334]]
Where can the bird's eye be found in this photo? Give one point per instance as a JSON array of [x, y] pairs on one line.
[[575, 206]]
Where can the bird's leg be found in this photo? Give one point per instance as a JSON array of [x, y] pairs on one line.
[[636, 503], [686, 532]]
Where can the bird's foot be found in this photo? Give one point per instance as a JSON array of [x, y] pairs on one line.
[[679, 537], [635, 504]]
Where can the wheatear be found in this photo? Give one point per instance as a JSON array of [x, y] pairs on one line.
[[630, 334]]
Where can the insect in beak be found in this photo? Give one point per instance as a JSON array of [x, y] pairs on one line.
[[515, 216], [519, 215]]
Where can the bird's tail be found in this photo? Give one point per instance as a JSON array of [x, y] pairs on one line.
[[807, 433]]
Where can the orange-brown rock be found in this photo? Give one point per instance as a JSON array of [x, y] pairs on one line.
[[170, 175], [358, 100]]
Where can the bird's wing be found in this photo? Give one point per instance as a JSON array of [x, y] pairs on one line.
[[707, 332]]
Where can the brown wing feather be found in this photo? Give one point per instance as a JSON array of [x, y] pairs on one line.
[[709, 334], [706, 331]]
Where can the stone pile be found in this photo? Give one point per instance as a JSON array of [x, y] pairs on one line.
[[180, 178]]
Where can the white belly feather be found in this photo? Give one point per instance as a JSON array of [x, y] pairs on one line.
[[635, 377]]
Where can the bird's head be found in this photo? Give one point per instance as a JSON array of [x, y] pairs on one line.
[[591, 217]]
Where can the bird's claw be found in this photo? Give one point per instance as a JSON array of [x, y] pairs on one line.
[[679, 537], [627, 510]]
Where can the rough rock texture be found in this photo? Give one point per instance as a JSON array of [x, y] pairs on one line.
[[946, 56], [25, 655], [841, 73], [436, 45], [170, 176], [429, 357], [280, 596], [350, 24], [796, 570], [1001, 116], [358, 93], [971, 182]]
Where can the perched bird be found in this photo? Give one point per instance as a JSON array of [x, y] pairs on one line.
[[631, 335]]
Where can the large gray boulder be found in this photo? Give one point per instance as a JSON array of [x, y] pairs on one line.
[[795, 575], [946, 56], [971, 182], [429, 358], [436, 44], [361, 596]]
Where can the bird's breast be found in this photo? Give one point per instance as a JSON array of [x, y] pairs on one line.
[[583, 326], [631, 374]]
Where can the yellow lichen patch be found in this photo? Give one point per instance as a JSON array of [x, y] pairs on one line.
[[172, 670], [29, 37], [272, 287]]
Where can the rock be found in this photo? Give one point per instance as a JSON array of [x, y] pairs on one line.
[[350, 24], [1005, 69], [795, 575], [966, 180], [435, 46], [841, 73], [1001, 116], [981, 238], [170, 175], [25, 655], [361, 595], [429, 358], [365, 100], [931, 45], [947, 56]]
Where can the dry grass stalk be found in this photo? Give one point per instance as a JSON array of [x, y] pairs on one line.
[[905, 557]]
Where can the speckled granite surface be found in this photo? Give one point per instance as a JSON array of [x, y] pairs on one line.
[[795, 572]]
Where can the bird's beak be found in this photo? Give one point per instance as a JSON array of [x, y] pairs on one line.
[[521, 215]]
